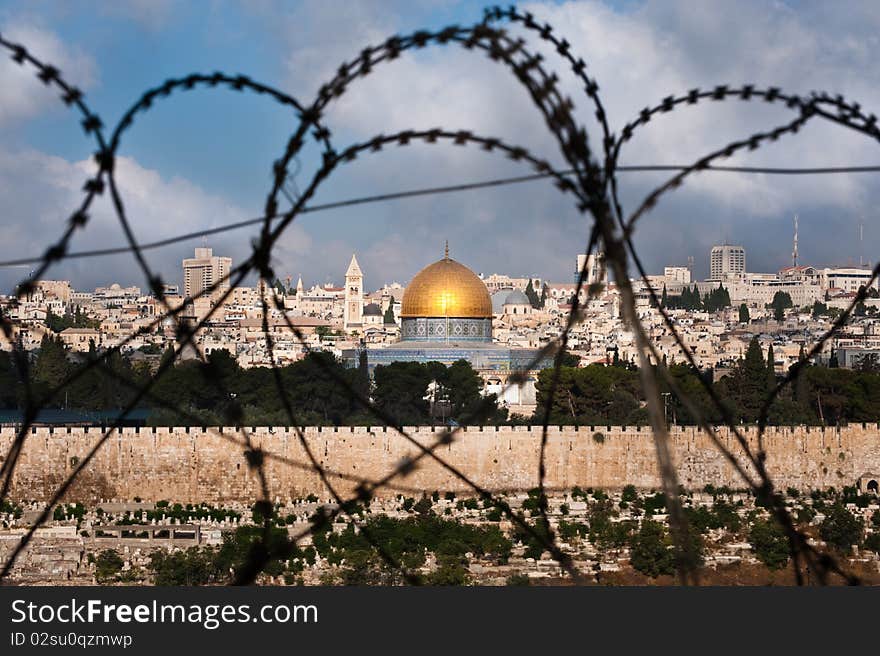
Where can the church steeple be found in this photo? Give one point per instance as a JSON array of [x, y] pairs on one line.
[[354, 268], [354, 296]]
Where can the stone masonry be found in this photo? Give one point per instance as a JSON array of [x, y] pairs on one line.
[[194, 465]]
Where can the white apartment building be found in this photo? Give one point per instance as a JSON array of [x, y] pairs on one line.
[[726, 260], [849, 279], [203, 271], [676, 275]]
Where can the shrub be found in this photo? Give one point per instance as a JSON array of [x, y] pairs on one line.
[[840, 529], [108, 564], [655, 503], [770, 543], [194, 566], [423, 507], [570, 530], [451, 570], [652, 550]]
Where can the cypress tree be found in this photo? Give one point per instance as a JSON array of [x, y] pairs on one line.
[[362, 381], [389, 313], [771, 368], [751, 381], [698, 305], [532, 295]]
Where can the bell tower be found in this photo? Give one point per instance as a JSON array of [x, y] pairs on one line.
[[354, 296]]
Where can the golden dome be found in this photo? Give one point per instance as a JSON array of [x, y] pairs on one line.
[[446, 289]]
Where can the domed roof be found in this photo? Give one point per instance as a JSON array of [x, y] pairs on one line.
[[371, 309], [446, 289], [498, 299], [516, 297]]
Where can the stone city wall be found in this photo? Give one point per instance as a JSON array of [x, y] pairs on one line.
[[194, 465]]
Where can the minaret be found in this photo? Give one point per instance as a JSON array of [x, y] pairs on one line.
[[354, 295], [794, 253]]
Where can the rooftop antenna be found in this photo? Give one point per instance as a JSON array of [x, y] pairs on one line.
[[794, 253], [861, 243]]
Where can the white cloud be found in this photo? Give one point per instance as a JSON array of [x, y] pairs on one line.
[[44, 190], [23, 94]]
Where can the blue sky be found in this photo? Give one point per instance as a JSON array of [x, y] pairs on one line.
[[201, 159]]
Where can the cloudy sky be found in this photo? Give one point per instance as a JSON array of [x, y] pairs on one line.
[[202, 159]]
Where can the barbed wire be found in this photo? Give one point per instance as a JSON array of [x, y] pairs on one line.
[[591, 182]]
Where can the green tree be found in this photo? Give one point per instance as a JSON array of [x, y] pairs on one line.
[[463, 386], [108, 565], [717, 299], [195, 566], [51, 368], [744, 313], [532, 295], [400, 390], [451, 570], [749, 382], [651, 550], [780, 303], [592, 395], [770, 543], [841, 529], [389, 313], [771, 368]]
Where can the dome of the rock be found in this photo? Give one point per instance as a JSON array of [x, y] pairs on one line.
[[446, 301], [446, 288]]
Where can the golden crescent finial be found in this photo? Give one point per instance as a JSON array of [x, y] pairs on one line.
[[446, 254]]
